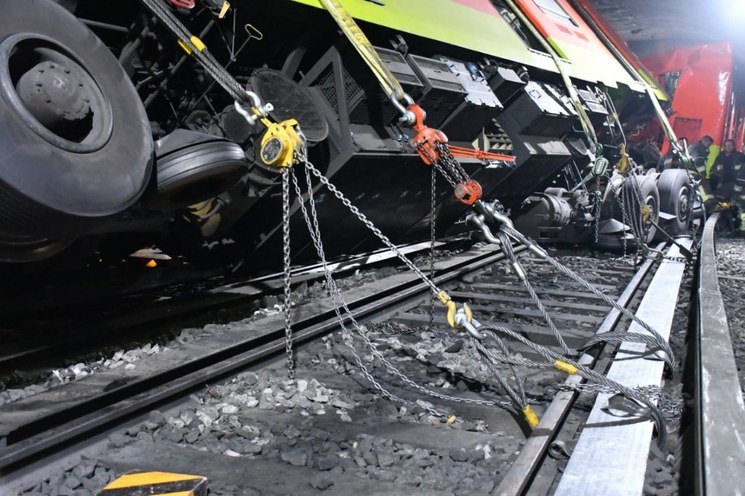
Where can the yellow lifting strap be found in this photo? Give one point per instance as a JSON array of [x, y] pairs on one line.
[[584, 119], [354, 34], [623, 162]]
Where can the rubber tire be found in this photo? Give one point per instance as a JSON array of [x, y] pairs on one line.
[[670, 184], [647, 188], [199, 172], [48, 191]]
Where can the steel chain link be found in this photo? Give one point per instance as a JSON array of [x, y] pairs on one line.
[[311, 220], [432, 236], [287, 271]]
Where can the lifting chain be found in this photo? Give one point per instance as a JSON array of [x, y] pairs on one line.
[[432, 236], [287, 268], [311, 219]]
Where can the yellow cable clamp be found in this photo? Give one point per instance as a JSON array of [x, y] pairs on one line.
[[623, 162], [280, 142], [195, 41], [565, 367], [223, 10], [530, 416]]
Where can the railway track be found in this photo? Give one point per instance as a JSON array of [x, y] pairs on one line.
[[145, 304], [326, 431]]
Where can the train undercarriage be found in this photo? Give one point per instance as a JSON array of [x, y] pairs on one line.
[[113, 138]]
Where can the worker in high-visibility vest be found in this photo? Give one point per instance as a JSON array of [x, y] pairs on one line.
[[699, 152], [738, 190], [725, 171]]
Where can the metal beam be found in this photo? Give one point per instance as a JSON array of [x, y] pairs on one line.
[[611, 454], [720, 413]]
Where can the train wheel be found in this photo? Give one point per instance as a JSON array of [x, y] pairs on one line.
[[28, 249], [649, 210], [75, 141], [193, 167], [675, 199]]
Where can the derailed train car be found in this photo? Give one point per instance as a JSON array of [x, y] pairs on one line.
[[114, 138]]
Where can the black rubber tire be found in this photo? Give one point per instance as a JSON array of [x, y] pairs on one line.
[[199, 172], [676, 199], [52, 191], [25, 250], [650, 195]]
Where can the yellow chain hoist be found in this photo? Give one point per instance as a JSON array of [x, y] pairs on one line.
[[281, 143]]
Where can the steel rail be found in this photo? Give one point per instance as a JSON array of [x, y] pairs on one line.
[[519, 477], [81, 420], [231, 294], [719, 443]]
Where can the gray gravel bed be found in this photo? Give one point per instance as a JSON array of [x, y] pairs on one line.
[[331, 421], [731, 262], [24, 384]]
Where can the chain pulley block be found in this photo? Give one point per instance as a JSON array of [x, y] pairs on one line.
[[426, 139], [468, 192], [281, 143]]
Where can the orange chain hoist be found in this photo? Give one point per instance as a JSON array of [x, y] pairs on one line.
[[429, 143]]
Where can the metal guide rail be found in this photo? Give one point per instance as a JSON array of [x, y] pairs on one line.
[[612, 451], [519, 478], [719, 409]]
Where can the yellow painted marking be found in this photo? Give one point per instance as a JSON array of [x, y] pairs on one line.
[[148, 478], [198, 44]]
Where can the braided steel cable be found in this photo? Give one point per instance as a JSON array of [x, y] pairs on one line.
[[200, 53], [552, 357], [311, 219], [660, 341], [507, 249]]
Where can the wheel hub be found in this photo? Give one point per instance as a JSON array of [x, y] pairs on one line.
[[685, 205], [55, 94]]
